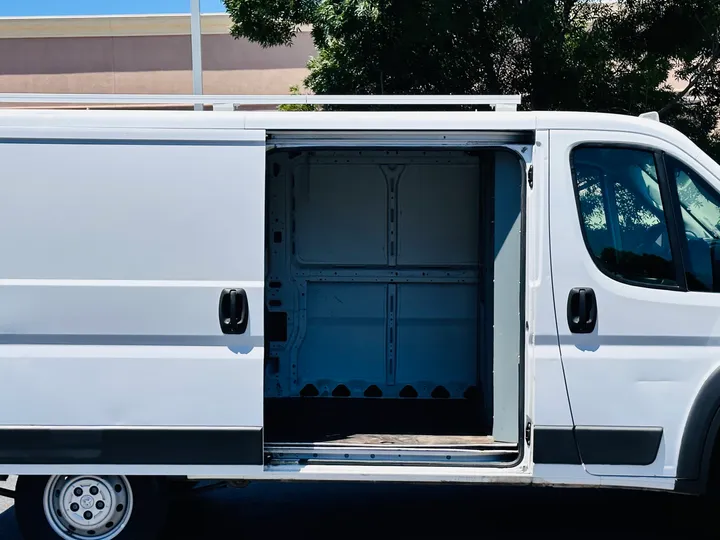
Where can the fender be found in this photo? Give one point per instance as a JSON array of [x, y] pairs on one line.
[[701, 430]]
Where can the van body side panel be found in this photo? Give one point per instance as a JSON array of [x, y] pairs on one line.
[[115, 254]]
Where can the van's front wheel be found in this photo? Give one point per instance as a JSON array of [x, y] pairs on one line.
[[103, 507]]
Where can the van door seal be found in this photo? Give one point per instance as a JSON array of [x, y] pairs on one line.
[[530, 176]]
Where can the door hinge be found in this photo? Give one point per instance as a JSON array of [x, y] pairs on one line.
[[531, 176], [528, 432]]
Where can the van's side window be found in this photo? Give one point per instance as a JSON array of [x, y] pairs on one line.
[[700, 210], [622, 214]]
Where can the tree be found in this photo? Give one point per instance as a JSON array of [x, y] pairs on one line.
[[559, 54]]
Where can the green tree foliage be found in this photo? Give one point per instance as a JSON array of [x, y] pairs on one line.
[[295, 91], [559, 54]]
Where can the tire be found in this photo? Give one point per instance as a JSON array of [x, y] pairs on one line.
[[140, 512]]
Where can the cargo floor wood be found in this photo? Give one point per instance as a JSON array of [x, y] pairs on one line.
[[413, 440]]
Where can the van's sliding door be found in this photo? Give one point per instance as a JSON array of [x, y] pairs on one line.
[[131, 298]]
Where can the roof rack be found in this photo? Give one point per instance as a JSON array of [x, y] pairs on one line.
[[230, 102]]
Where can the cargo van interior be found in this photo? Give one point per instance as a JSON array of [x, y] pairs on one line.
[[394, 283]]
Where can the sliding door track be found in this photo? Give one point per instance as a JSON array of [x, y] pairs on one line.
[[390, 454]]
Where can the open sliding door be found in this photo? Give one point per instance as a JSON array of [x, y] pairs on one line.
[[131, 299]]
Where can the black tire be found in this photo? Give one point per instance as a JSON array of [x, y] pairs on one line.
[[146, 522]]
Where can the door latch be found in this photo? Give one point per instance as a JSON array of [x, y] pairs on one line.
[[234, 311], [528, 432], [582, 310]]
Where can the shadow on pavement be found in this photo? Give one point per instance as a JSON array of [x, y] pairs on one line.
[[379, 512], [8, 528]]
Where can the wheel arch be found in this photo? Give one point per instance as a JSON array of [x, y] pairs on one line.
[[698, 443]]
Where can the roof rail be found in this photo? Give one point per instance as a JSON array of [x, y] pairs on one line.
[[229, 102]]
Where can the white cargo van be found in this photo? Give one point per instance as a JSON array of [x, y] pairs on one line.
[[491, 297]]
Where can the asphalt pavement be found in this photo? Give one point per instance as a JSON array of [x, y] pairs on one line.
[[380, 512]]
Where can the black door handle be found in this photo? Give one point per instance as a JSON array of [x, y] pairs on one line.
[[234, 311], [582, 310]]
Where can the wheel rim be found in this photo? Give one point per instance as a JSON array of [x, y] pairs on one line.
[[81, 507]]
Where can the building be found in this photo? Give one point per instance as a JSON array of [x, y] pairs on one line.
[[142, 54]]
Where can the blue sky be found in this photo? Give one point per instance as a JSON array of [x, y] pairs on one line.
[[26, 8]]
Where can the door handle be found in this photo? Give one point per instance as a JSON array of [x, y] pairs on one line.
[[582, 310], [234, 311]]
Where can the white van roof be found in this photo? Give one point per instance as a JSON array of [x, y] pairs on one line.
[[501, 120]]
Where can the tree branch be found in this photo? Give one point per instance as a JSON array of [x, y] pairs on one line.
[[693, 81], [568, 6]]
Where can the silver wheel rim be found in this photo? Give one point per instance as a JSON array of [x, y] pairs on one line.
[[81, 507]]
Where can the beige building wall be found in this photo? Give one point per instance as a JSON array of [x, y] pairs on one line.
[[141, 54]]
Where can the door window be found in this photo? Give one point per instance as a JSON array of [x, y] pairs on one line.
[[700, 211], [622, 215]]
